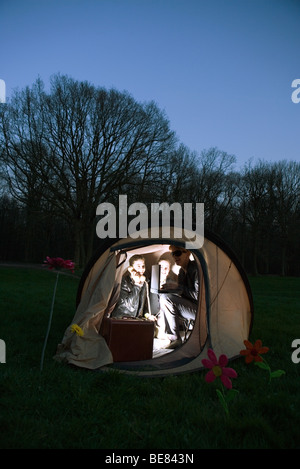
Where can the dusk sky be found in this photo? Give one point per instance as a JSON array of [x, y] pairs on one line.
[[222, 70]]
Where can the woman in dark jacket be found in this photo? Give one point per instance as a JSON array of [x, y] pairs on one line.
[[132, 298]]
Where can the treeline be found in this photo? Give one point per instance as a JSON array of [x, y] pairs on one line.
[[65, 151]]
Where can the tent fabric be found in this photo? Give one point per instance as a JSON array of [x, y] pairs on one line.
[[90, 350], [224, 315]]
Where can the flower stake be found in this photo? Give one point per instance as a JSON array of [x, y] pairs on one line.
[[218, 369], [56, 263], [252, 353]]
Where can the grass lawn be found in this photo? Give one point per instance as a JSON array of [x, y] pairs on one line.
[[71, 408]]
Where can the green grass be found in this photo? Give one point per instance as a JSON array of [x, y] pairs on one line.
[[64, 407]]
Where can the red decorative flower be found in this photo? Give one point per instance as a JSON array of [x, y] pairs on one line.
[[218, 369], [59, 263], [253, 352]]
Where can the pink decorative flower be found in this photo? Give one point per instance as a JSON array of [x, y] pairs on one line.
[[218, 369], [59, 263]]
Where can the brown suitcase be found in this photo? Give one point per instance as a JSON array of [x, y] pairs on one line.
[[128, 339]]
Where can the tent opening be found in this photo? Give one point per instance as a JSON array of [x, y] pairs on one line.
[[193, 332]]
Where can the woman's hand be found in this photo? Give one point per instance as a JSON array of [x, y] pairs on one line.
[[137, 278]]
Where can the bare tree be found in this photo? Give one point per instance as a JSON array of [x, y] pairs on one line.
[[212, 185], [76, 146], [254, 194], [286, 197]]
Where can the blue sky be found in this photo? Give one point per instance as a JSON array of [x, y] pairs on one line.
[[220, 69]]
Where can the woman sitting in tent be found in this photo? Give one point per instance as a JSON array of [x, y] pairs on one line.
[[132, 301], [167, 277], [178, 307]]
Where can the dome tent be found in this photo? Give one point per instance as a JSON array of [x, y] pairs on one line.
[[224, 313]]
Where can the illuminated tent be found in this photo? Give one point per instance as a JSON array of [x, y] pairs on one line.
[[223, 320]]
